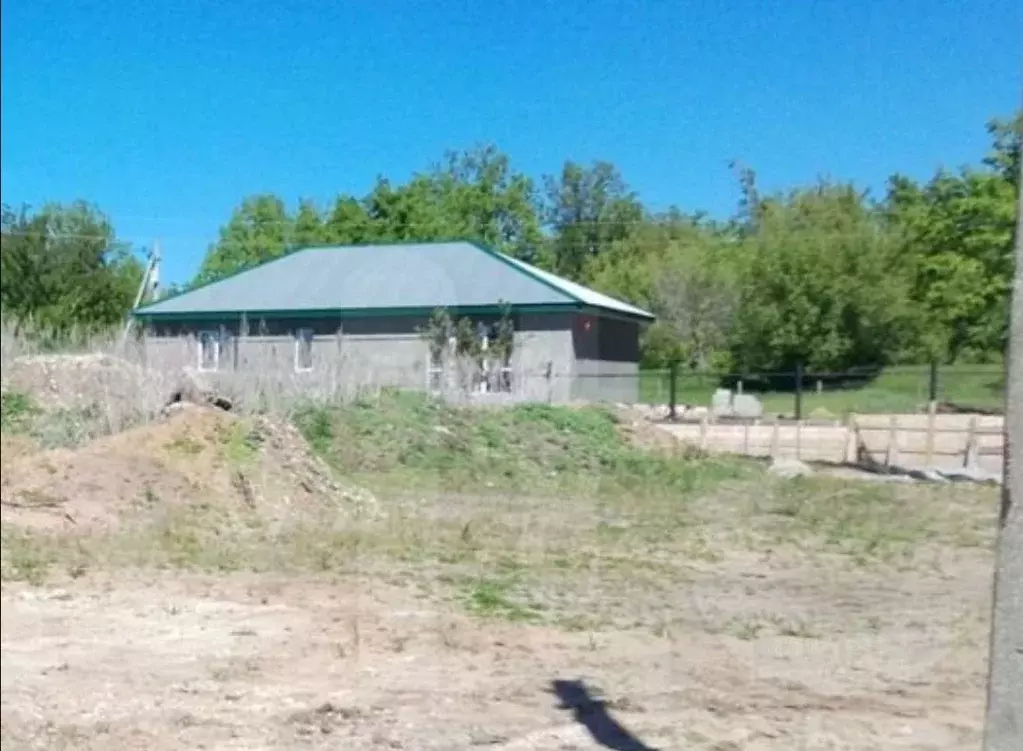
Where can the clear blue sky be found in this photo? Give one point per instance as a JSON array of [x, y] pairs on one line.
[[168, 114]]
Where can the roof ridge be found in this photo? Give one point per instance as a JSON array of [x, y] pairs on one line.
[[527, 272]]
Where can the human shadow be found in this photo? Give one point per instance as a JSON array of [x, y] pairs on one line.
[[592, 714]]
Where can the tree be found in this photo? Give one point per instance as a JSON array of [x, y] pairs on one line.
[[63, 269], [349, 223], [822, 284], [680, 268], [587, 210], [958, 231], [259, 230], [309, 226]]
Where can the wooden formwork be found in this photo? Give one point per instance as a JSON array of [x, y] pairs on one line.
[[909, 440]]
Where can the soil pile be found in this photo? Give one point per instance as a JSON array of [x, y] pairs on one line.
[[195, 455], [118, 389]]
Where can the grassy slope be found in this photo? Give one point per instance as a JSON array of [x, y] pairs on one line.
[[409, 439]]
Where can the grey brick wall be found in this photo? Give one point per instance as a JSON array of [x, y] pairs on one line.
[[553, 359]]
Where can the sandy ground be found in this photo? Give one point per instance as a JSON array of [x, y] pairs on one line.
[[172, 661]]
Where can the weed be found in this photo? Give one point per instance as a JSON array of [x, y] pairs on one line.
[[241, 444], [25, 556], [492, 598], [17, 411], [185, 446]]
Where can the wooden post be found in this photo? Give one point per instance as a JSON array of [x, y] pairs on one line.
[[929, 450], [745, 437], [672, 393], [969, 453], [892, 449], [799, 393], [774, 437], [850, 440], [703, 433], [799, 439]]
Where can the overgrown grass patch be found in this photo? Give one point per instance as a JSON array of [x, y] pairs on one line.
[[403, 438], [17, 411]]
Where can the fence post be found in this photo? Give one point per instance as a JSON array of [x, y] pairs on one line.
[[971, 437], [799, 391], [892, 451], [672, 385], [932, 386]]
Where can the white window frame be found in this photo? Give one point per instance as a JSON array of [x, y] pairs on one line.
[[304, 335], [212, 335]]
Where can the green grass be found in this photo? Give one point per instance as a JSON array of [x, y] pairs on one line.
[[897, 389], [411, 439], [17, 411]]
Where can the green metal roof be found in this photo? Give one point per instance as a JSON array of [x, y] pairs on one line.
[[371, 279]]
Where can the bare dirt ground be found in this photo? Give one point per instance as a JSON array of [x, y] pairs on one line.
[[751, 612], [172, 661]]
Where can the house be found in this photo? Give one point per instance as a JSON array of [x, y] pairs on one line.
[[360, 311]]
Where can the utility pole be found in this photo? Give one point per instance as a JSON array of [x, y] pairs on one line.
[[1003, 730], [150, 280]]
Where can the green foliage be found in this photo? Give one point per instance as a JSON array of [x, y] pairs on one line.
[[588, 209], [259, 230], [62, 269], [958, 232], [821, 284]]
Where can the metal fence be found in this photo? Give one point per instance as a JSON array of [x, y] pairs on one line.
[[805, 394]]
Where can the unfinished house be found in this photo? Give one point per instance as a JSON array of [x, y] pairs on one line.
[[398, 315]]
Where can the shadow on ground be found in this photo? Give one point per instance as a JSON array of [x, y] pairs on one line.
[[592, 714]]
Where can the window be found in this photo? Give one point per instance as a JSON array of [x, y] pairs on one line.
[[303, 350], [209, 350]]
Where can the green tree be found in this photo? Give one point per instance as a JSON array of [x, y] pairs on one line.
[[587, 210], [680, 268], [309, 228], [259, 230], [349, 223], [957, 229], [821, 283], [63, 269]]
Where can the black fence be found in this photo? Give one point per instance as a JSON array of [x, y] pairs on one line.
[[803, 394]]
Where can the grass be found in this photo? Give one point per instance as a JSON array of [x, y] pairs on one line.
[[408, 439], [898, 389], [18, 412]]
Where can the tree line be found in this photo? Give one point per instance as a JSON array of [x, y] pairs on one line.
[[821, 274]]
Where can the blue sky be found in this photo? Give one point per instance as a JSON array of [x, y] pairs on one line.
[[167, 114]]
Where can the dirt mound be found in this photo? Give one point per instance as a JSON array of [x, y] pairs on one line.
[[637, 429], [195, 455], [117, 387]]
